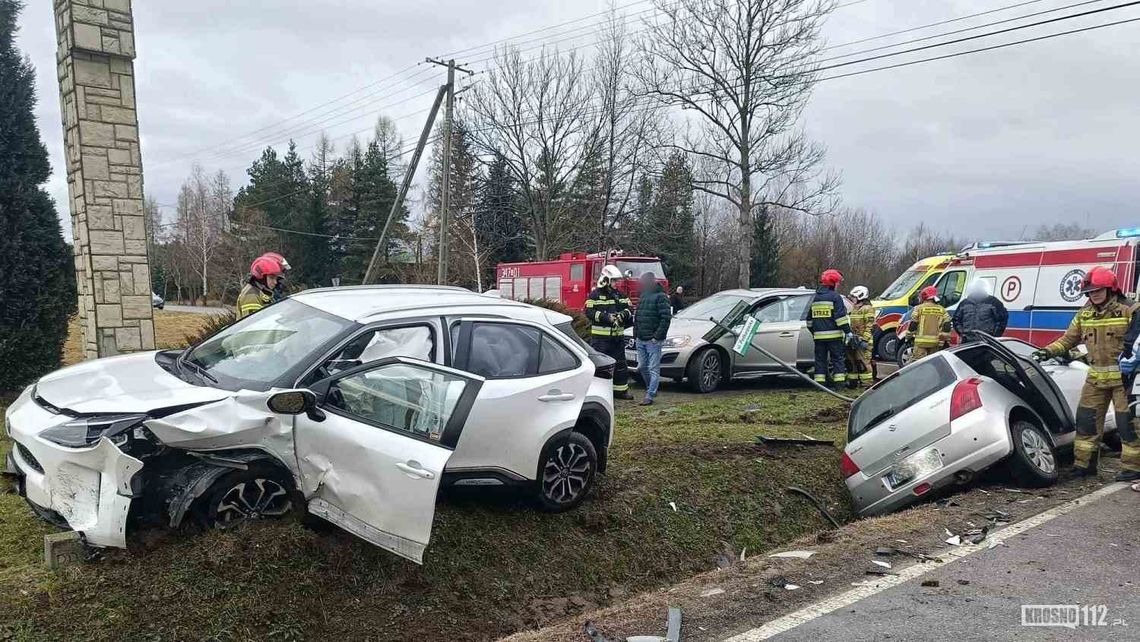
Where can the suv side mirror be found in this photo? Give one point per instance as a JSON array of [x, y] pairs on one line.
[[295, 402]]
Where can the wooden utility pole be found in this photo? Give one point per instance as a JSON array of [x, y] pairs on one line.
[[445, 197], [411, 171]]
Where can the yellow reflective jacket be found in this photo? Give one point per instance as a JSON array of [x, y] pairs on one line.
[[930, 325], [252, 299], [1102, 330], [862, 320]]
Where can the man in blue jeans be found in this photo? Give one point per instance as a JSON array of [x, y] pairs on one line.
[[650, 326]]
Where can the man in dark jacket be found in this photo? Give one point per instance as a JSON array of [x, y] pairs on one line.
[[980, 310], [650, 327], [678, 299]]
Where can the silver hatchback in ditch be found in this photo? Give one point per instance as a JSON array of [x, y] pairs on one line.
[[687, 356], [948, 417]]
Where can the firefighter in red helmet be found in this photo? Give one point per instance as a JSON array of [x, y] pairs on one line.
[[929, 324], [279, 291], [830, 327], [258, 292], [1101, 325]]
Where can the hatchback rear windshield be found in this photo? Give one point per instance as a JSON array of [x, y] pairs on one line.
[[898, 392]]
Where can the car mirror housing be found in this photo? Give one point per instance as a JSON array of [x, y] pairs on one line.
[[292, 402]]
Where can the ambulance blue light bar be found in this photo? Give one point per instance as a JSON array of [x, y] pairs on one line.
[[1128, 232]]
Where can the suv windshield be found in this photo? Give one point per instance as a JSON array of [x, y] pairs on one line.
[[256, 351], [902, 285], [713, 307], [898, 392], [641, 267]]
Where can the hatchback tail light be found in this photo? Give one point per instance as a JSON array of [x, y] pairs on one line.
[[965, 398], [847, 466]]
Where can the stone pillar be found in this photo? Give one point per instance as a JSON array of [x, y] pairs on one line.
[[95, 63]]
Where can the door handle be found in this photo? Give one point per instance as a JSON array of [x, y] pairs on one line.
[[413, 468], [787, 335], [557, 395]]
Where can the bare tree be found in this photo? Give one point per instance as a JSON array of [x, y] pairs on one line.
[[742, 70], [1063, 232], [204, 204], [624, 125], [388, 138], [533, 112]]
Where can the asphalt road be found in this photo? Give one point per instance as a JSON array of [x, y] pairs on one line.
[[1086, 557], [195, 309]]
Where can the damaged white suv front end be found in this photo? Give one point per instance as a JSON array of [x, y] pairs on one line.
[[358, 416]]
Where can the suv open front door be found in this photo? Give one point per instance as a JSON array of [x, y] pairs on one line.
[[1038, 388], [372, 452]]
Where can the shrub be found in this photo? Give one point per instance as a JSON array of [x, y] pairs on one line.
[[581, 323], [37, 284], [215, 324]]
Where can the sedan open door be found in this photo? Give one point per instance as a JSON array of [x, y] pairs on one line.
[[372, 452], [1037, 387]]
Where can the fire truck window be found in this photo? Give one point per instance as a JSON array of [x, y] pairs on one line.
[[537, 290], [577, 272], [553, 289], [520, 289], [507, 289]]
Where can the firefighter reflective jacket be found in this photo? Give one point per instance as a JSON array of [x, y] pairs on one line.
[[862, 320], [608, 312], [829, 318], [930, 325], [252, 299], [1102, 330]]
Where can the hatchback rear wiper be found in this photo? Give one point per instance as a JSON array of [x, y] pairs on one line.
[[889, 412]]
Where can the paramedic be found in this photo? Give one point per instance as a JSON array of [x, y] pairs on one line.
[[980, 311], [929, 325], [1101, 326], [258, 291], [609, 315], [859, 348], [830, 327]]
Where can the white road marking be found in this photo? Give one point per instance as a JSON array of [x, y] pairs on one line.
[[809, 613]]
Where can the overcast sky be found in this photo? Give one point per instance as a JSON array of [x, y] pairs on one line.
[[988, 145]]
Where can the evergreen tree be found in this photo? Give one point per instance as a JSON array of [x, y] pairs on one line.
[[316, 248], [38, 293], [373, 194], [765, 251], [668, 224], [278, 188], [500, 226]]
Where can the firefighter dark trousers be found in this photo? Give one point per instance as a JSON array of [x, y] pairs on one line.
[[1091, 411], [830, 352], [614, 347]]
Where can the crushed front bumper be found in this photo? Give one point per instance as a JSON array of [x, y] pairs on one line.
[[90, 488]]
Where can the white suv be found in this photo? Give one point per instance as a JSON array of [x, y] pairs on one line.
[[357, 402]]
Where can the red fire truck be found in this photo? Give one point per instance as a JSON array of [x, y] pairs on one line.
[[570, 278]]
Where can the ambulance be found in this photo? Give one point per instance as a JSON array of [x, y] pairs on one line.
[[900, 296], [1040, 283]]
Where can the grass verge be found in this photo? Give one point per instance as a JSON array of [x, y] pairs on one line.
[[495, 565]]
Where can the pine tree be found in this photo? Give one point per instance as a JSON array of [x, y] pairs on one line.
[[765, 251], [279, 189], [38, 293], [373, 194], [500, 226], [668, 224]]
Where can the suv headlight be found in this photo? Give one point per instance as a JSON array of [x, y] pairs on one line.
[[677, 342], [919, 464], [86, 431]]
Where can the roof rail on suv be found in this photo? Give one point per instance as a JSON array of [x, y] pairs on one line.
[[392, 286]]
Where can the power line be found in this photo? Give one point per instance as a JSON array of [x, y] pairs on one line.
[[982, 49], [934, 24]]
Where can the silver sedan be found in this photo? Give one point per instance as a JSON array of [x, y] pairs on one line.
[[687, 356], [948, 417]]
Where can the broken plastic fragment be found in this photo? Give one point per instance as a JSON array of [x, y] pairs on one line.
[[801, 555], [791, 587], [816, 582], [711, 592], [881, 563], [954, 541], [673, 505]]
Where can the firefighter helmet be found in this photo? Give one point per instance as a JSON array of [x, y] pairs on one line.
[[264, 266], [280, 259], [1099, 278], [610, 273], [831, 278], [928, 293], [860, 293]]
